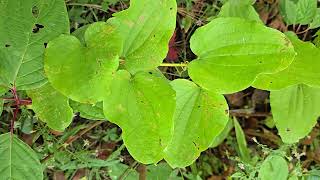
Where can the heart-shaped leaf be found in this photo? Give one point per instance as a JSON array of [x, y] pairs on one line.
[[303, 70], [26, 26], [232, 52], [83, 73], [274, 167], [200, 116], [143, 107], [295, 111], [18, 160], [51, 107], [147, 27]]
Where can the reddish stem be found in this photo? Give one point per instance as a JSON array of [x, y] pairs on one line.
[[16, 111]]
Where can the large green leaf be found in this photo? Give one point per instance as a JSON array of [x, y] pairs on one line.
[[143, 107], [51, 107], [295, 110], [84, 73], [239, 8], [274, 167], [25, 27], [232, 52], [304, 68], [199, 117], [147, 27], [18, 160], [316, 20], [88, 111], [302, 12]]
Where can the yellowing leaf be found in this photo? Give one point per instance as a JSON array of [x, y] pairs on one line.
[[199, 117], [51, 107], [84, 73], [303, 70], [143, 107], [147, 27]]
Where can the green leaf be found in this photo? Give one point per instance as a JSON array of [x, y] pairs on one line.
[[88, 111], [18, 160], [51, 107], [117, 171], [147, 27], [25, 27], [84, 73], [295, 111], [274, 167], [288, 10], [306, 11], [316, 20], [302, 12], [223, 135], [232, 52], [302, 70], [161, 171], [242, 143], [200, 116], [1, 106], [143, 107], [241, 9]]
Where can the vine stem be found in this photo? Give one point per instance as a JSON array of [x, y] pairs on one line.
[[174, 64]]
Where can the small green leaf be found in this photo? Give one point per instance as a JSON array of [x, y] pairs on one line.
[[143, 107], [25, 27], [18, 160], [161, 171], [274, 167], [51, 107], [147, 27], [304, 68], [239, 8], [88, 111], [306, 11], [316, 20], [295, 111], [302, 12], [200, 116], [223, 135], [117, 171], [84, 73], [232, 52], [288, 11], [242, 143]]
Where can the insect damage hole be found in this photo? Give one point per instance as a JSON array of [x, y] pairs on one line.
[[37, 28], [35, 11], [7, 45]]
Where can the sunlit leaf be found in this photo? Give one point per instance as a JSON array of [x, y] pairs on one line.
[[143, 106], [304, 68], [83, 73], [51, 107], [232, 52], [147, 27], [199, 117]]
